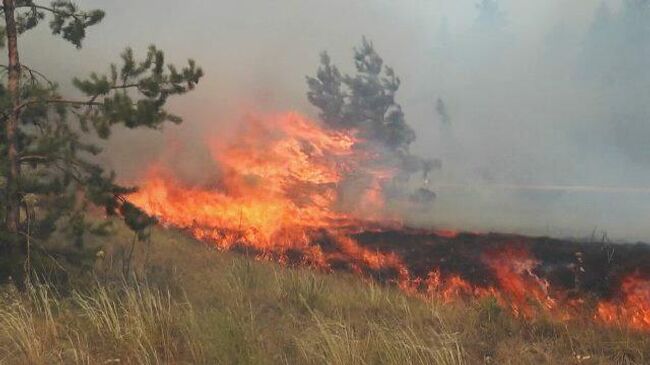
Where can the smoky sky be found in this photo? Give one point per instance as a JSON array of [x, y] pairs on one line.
[[526, 107]]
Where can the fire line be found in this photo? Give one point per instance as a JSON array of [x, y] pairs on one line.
[[297, 193]]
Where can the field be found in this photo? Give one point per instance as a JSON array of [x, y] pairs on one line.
[[191, 304]]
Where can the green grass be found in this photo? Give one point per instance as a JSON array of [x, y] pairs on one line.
[[193, 305]]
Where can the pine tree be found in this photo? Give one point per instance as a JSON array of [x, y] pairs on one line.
[[325, 92], [599, 44], [635, 25], [602, 23], [48, 174], [443, 42], [365, 101], [617, 47], [490, 16], [441, 109]]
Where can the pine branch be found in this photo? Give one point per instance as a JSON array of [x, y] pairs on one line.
[[90, 102], [33, 72], [33, 101], [30, 5]]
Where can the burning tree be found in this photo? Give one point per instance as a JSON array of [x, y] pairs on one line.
[[48, 175]]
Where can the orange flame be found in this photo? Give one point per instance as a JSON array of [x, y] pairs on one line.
[[632, 308], [279, 173], [513, 268], [279, 188], [279, 195]]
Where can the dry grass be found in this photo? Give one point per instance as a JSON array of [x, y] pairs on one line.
[[193, 305], [130, 323]]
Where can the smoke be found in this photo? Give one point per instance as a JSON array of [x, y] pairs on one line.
[[512, 100], [552, 104]]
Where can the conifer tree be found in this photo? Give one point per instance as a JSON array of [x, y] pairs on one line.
[[441, 109], [490, 16], [48, 174], [365, 101], [615, 33], [325, 92], [599, 45]]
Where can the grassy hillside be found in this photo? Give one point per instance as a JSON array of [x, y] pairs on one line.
[[193, 305]]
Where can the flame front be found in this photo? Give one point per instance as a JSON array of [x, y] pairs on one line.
[[632, 307], [278, 193], [294, 191]]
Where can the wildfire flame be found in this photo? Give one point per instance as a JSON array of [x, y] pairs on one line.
[[282, 195], [278, 191], [632, 307]]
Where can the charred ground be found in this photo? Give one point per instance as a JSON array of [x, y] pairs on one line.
[[578, 267]]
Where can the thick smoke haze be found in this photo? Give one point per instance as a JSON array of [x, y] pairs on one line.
[[538, 110]]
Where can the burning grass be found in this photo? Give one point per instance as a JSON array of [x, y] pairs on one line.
[[194, 304], [283, 194]]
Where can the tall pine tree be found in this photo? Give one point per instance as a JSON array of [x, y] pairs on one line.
[[48, 174]]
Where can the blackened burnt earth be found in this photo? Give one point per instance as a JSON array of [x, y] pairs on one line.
[[578, 268]]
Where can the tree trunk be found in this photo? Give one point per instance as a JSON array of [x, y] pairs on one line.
[[13, 87]]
